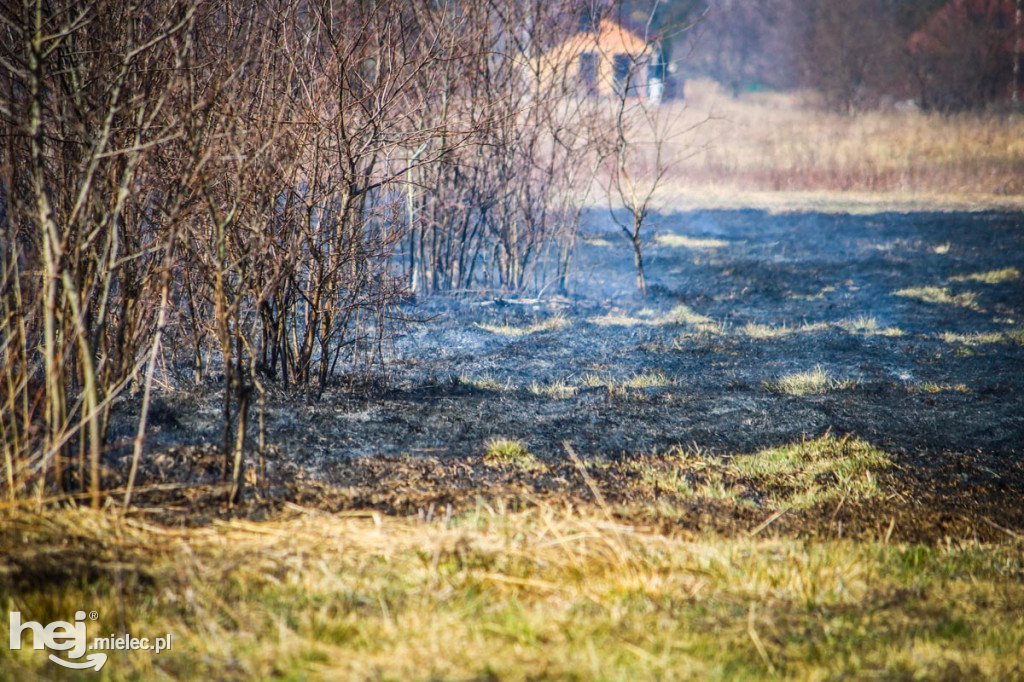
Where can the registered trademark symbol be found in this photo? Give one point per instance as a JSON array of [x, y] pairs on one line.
[[93, 615]]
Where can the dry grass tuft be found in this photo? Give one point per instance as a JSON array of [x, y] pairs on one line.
[[558, 390], [616, 319], [932, 387], [681, 315], [506, 452], [684, 315], [553, 323], [763, 331], [979, 338], [647, 379], [755, 330], [641, 380], [990, 277], [488, 383], [811, 382], [682, 241], [940, 295], [868, 326]]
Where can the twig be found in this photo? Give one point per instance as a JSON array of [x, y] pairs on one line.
[[839, 506], [767, 522], [587, 479], [1015, 536], [758, 644], [888, 533]]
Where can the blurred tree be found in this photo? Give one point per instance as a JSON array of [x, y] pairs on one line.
[[854, 53], [965, 54], [948, 54], [743, 44]]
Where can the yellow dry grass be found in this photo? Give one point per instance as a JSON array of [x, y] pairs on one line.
[[557, 390], [540, 594], [553, 323], [940, 295], [783, 152], [990, 277], [1011, 336], [811, 382], [681, 315], [683, 241], [868, 326], [509, 452]]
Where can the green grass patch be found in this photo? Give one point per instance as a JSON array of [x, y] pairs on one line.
[[811, 472], [689, 476], [796, 475]]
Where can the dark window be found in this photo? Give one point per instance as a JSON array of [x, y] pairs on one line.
[[657, 68], [621, 66], [588, 71]]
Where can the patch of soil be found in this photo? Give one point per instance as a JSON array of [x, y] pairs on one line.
[[741, 301]]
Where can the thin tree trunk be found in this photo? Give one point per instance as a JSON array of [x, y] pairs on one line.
[[638, 261], [1017, 39], [140, 435]]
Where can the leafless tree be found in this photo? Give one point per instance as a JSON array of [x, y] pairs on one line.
[[636, 149]]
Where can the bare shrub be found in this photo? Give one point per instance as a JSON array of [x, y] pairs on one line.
[[254, 186]]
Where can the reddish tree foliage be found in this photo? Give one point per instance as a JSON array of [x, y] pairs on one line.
[[964, 54]]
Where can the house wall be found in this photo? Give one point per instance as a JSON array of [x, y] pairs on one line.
[[568, 61]]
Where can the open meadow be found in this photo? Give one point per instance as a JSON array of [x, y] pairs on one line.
[[784, 150], [801, 456]]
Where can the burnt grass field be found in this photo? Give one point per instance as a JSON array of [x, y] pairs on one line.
[[901, 331]]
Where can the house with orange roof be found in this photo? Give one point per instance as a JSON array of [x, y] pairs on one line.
[[610, 60]]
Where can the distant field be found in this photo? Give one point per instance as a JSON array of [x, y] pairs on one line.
[[782, 150]]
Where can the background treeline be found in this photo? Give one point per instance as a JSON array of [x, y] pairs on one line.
[[944, 54], [254, 185]]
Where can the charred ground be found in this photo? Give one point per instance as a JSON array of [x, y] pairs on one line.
[[901, 331]]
